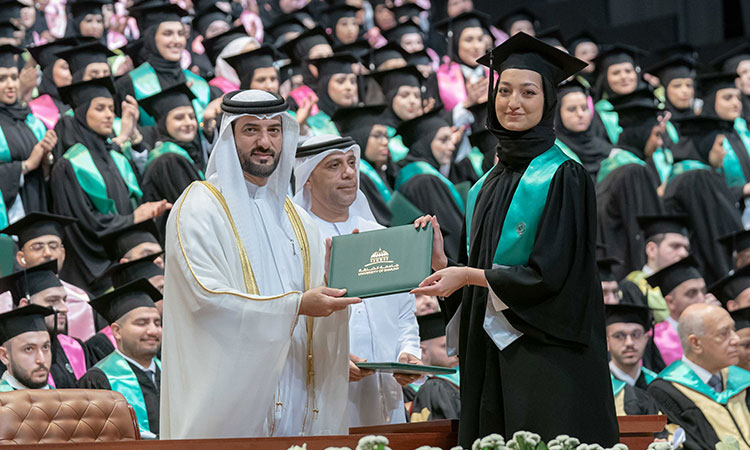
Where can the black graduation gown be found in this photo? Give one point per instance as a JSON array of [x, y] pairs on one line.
[[85, 257], [637, 402], [99, 346], [626, 193], [378, 205], [96, 379], [743, 157], [555, 378], [61, 370], [166, 177], [703, 196], [437, 399], [21, 142]]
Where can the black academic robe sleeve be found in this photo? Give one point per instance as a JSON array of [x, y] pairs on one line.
[[94, 378], [166, 177], [10, 181], [437, 399], [98, 346], [684, 413]]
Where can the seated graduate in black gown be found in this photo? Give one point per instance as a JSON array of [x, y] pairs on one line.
[[25, 146], [133, 369], [86, 19], [48, 106], [422, 178], [530, 236], [256, 69], [132, 242], [95, 183], [377, 172], [20, 330], [737, 244], [697, 189]]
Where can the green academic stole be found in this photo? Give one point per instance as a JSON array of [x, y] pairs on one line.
[[5, 387], [567, 150], [169, 147], [92, 181], [369, 172], [424, 168], [525, 211], [731, 166], [35, 125], [617, 385], [737, 380], [649, 375], [663, 160], [672, 133], [687, 166], [476, 158], [396, 145], [619, 159], [122, 379], [321, 124], [610, 119], [146, 84]]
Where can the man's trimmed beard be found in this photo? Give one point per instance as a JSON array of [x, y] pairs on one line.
[[259, 170], [24, 376]]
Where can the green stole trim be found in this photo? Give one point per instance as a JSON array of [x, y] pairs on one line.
[[396, 145], [92, 181], [663, 160], [122, 379], [619, 159], [35, 125], [146, 83], [649, 375], [476, 158], [731, 167], [454, 378], [366, 169], [169, 147], [737, 381], [321, 124], [617, 385], [518, 233], [672, 132], [6, 387], [687, 166], [567, 150], [3, 212], [610, 119], [424, 168]]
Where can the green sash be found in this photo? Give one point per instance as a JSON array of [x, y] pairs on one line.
[[369, 171], [92, 181], [687, 166], [672, 132], [731, 167], [396, 145], [610, 119], [737, 381], [146, 83], [619, 159], [122, 379], [663, 160], [525, 211], [35, 125], [567, 150], [617, 385], [5, 387], [170, 147], [424, 168], [3, 212], [321, 123], [476, 158], [649, 375]]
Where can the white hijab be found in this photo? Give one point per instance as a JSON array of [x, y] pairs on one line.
[[223, 69]]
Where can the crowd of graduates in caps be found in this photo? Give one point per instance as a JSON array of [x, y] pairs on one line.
[[108, 111]]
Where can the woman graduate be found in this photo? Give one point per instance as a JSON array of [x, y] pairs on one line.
[[48, 106], [531, 316], [342, 20], [24, 147], [94, 182], [256, 69], [85, 19]]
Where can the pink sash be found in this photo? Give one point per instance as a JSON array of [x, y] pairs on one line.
[[108, 332], [451, 85], [668, 342], [44, 109], [80, 314], [223, 84], [300, 94], [74, 352]]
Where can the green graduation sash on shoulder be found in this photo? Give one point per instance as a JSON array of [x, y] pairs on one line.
[[35, 125], [366, 169], [122, 379], [476, 158], [170, 147], [518, 233], [672, 132], [619, 159], [567, 150], [321, 124], [146, 83], [649, 375], [617, 385], [731, 167], [424, 168], [663, 160], [737, 381], [396, 145], [92, 181], [610, 119], [687, 166]]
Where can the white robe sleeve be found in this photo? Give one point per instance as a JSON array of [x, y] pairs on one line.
[[407, 324]]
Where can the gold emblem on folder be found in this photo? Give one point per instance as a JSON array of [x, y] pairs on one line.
[[380, 262]]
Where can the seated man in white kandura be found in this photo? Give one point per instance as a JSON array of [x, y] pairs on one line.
[[253, 344]]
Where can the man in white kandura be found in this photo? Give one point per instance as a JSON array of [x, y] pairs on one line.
[[381, 329], [253, 344]]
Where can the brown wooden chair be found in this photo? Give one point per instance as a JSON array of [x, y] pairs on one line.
[[36, 416]]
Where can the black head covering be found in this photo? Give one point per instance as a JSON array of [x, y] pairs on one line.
[[36, 224], [246, 63], [77, 12], [731, 286], [623, 313], [522, 51], [216, 44], [309, 149], [9, 55], [124, 273], [608, 56], [419, 58], [605, 264], [737, 241], [418, 134], [118, 242], [46, 56], [208, 15], [637, 114], [149, 15], [552, 36], [741, 318], [149, 18], [80, 57], [134, 49], [361, 49], [452, 27], [8, 29], [508, 19], [728, 61], [396, 33], [697, 136], [333, 13], [30, 281], [17, 111], [285, 24], [431, 326], [390, 81], [386, 53], [580, 38], [11, 9], [407, 11], [298, 48], [674, 67], [653, 225], [115, 304], [327, 68], [709, 84], [23, 320], [357, 122], [159, 105], [674, 275]]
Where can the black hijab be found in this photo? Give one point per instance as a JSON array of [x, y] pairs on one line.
[[390, 82], [17, 111], [167, 69], [589, 148], [418, 134], [327, 68]]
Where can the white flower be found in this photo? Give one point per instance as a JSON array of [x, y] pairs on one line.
[[477, 445], [428, 447], [373, 443], [458, 447], [297, 447], [492, 441]]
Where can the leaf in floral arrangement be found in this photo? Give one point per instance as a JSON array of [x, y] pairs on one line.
[[492, 442], [373, 443], [541, 446], [728, 443]]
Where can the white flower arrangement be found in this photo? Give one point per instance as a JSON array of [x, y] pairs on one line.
[[373, 443], [728, 443], [298, 447], [660, 446]]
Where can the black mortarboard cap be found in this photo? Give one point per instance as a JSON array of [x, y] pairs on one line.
[[133, 50], [150, 15], [406, 11], [309, 149], [8, 55], [124, 273], [663, 223], [357, 117], [8, 29], [387, 52], [46, 54], [421, 127], [360, 48], [288, 70], [580, 38], [298, 48], [160, 104], [208, 15], [79, 93], [285, 24], [23, 320], [336, 63], [31, 280], [522, 51], [737, 241], [335, 12], [453, 26], [81, 56], [616, 54], [118, 242], [391, 80], [246, 63], [728, 61], [625, 313], [11, 9], [36, 224], [604, 265], [709, 83], [572, 85], [552, 36], [676, 66], [115, 304], [419, 58], [82, 8], [507, 19], [396, 33], [732, 285], [431, 326], [216, 44], [674, 275], [637, 108], [741, 318]]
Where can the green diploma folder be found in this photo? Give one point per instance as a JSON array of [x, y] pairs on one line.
[[381, 262], [409, 369]]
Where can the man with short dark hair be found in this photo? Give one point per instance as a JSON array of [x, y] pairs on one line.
[[741, 319], [25, 348], [733, 291]]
